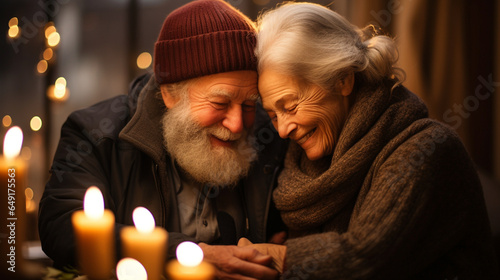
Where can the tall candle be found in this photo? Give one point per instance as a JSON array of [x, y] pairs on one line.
[[94, 232], [189, 264], [145, 243], [13, 204]]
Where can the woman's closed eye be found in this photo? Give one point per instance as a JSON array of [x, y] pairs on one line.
[[290, 109]]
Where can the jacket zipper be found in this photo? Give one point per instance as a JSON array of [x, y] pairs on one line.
[[158, 188]]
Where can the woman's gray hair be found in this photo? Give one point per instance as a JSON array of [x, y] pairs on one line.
[[320, 46]]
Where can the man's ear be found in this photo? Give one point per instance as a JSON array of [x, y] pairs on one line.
[[346, 84], [168, 99]]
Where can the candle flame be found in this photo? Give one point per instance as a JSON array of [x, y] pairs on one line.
[[143, 220], [93, 203], [189, 254], [12, 142], [130, 269]]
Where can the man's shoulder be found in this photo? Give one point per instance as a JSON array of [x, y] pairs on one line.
[[101, 120], [109, 110], [108, 117]]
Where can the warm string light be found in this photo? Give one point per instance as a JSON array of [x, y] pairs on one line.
[[14, 30], [48, 54], [51, 35], [52, 39], [36, 123], [58, 91], [42, 66], [6, 121], [30, 203], [144, 60]]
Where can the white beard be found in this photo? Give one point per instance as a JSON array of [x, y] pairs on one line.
[[189, 144]]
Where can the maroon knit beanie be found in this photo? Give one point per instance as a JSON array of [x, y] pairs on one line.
[[201, 38]]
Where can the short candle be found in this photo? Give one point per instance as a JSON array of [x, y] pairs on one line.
[[94, 232], [189, 264], [145, 243], [130, 269]]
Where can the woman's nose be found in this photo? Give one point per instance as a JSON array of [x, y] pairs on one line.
[[285, 127]]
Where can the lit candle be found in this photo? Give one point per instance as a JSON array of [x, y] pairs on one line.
[[94, 232], [189, 264], [130, 269], [145, 242], [13, 202]]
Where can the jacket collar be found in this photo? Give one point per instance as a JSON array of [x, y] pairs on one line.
[[144, 130]]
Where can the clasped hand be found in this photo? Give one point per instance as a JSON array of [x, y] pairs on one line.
[[246, 261]]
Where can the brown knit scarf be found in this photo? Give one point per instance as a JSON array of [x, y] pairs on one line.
[[314, 195]]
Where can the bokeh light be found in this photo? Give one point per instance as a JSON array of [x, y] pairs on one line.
[[144, 60], [48, 54], [29, 193], [58, 93], [26, 153], [49, 29], [53, 39], [36, 123], [42, 66], [14, 31], [6, 121], [13, 21], [61, 82]]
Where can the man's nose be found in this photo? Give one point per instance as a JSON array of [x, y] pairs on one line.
[[234, 119]]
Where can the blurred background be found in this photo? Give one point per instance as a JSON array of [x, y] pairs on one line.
[[57, 56]]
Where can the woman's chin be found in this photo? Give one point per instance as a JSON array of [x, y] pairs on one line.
[[313, 154]]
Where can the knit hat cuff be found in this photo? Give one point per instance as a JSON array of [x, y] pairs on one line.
[[186, 58]]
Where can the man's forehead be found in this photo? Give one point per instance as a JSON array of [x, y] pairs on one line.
[[233, 93]]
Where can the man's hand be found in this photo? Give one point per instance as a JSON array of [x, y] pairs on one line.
[[277, 252], [232, 262]]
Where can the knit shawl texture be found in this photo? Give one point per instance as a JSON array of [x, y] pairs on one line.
[[399, 199]]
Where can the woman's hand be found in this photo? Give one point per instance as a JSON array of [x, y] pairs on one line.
[[277, 252]]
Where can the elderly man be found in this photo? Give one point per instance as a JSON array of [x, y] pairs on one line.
[[183, 144]]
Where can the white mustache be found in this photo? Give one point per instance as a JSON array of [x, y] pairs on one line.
[[224, 134]]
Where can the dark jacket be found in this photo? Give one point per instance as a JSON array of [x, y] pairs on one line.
[[117, 145]]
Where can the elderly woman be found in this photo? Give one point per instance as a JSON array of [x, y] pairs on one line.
[[371, 187]]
